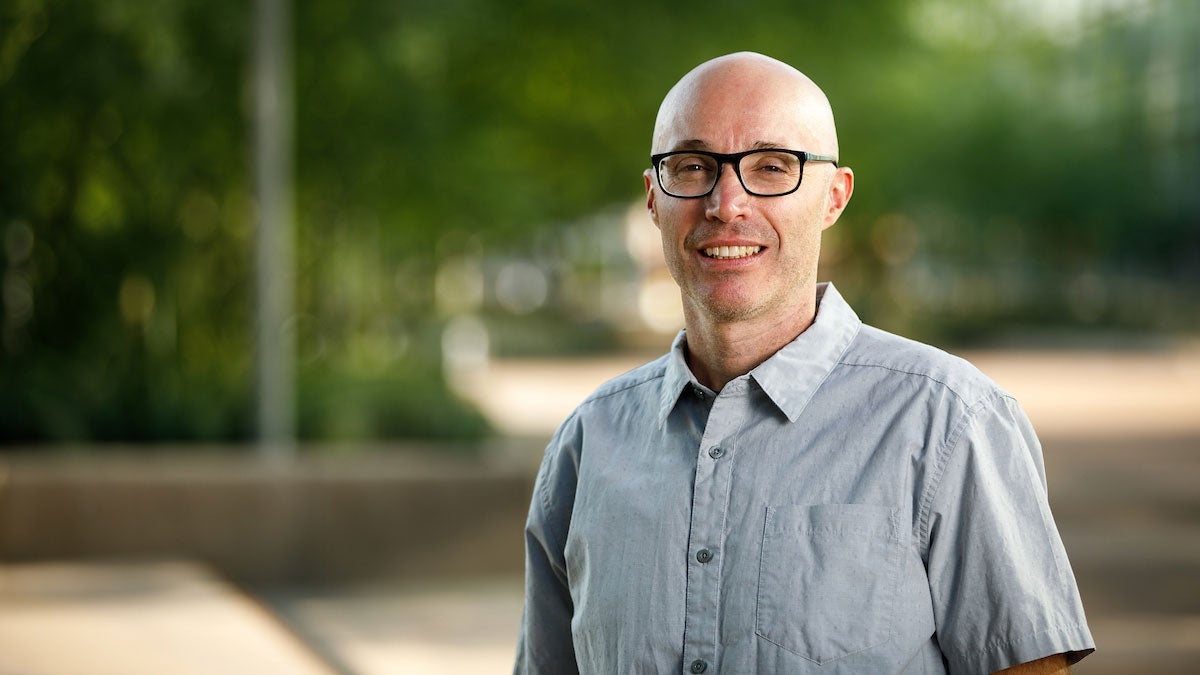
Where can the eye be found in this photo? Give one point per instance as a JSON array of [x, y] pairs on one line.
[[689, 164], [773, 164]]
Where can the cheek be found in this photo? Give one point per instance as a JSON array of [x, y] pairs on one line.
[[799, 228], [670, 222]]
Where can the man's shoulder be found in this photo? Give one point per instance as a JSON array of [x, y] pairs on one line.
[[634, 389], [904, 357], [630, 383]]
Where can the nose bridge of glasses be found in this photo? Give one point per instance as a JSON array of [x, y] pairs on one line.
[[735, 164], [735, 174]]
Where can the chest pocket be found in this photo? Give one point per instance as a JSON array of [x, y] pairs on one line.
[[828, 578]]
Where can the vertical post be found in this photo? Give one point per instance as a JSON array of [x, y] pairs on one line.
[[275, 377]]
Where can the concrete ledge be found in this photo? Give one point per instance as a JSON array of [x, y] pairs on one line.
[[312, 521]]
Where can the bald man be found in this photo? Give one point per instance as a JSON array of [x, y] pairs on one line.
[[787, 490]]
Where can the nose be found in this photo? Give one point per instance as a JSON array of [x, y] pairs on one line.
[[728, 198]]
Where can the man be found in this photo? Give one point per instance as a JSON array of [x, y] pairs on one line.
[[788, 490]]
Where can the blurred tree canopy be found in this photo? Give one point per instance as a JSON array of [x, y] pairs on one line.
[[1017, 165]]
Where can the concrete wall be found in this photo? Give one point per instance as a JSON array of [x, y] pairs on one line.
[[367, 515]]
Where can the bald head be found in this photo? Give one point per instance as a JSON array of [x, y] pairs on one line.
[[741, 100]]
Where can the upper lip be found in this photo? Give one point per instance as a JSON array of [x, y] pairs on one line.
[[728, 242]]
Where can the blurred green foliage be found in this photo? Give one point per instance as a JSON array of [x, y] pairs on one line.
[[1017, 166]]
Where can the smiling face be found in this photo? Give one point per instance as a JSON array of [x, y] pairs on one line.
[[738, 257]]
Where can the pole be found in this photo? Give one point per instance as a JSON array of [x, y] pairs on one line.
[[275, 377]]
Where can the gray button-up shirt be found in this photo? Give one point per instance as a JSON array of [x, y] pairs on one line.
[[859, 503]]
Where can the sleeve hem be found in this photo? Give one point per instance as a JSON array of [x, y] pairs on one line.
[[1073, 641]]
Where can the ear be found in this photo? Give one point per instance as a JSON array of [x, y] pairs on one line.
[[648, 180], [840, 189]]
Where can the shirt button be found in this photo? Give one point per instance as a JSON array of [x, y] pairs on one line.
[[699, 666], [716, 453], [704, 555]]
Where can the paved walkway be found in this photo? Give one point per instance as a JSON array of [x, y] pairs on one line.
[[169, 618], [438, 628], [176, 618]]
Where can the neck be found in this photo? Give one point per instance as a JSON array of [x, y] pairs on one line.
[[720, 351]]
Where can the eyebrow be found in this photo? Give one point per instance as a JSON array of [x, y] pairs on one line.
[[697, 144]]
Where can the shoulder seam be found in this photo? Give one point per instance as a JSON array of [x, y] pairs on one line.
[[949, 387], [942, 460], [603, 392]]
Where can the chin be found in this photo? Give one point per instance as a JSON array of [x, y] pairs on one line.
[[727, 311]]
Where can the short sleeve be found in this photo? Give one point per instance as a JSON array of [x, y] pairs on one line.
[[1002, 586], [545, 644]]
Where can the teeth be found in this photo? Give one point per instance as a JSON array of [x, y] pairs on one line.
[[731, 251]]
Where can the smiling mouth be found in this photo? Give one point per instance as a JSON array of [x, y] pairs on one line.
[[731, 252]]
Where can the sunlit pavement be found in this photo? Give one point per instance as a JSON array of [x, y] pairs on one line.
[[169, 618], [431, 628], [174, 618], [1122, 442]]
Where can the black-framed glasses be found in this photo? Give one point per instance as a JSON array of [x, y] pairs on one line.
[[767, 172]]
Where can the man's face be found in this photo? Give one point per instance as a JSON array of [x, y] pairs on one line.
[[738, 257]]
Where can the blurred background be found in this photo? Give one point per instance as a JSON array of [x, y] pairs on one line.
[[294, 294]]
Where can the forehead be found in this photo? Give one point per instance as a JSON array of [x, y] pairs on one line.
[[730, 113]]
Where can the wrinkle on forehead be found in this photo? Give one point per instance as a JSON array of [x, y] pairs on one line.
[[755, 82]]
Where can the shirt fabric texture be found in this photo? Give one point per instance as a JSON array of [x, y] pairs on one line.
[[858, 503]]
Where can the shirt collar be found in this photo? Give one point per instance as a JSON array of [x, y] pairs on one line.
[[676, 377], [793, 374]]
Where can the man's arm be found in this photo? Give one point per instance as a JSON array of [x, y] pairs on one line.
[[999, 575], [545, 645], [1055, 664]]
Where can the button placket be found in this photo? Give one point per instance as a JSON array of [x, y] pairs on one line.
[[710, 499]]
